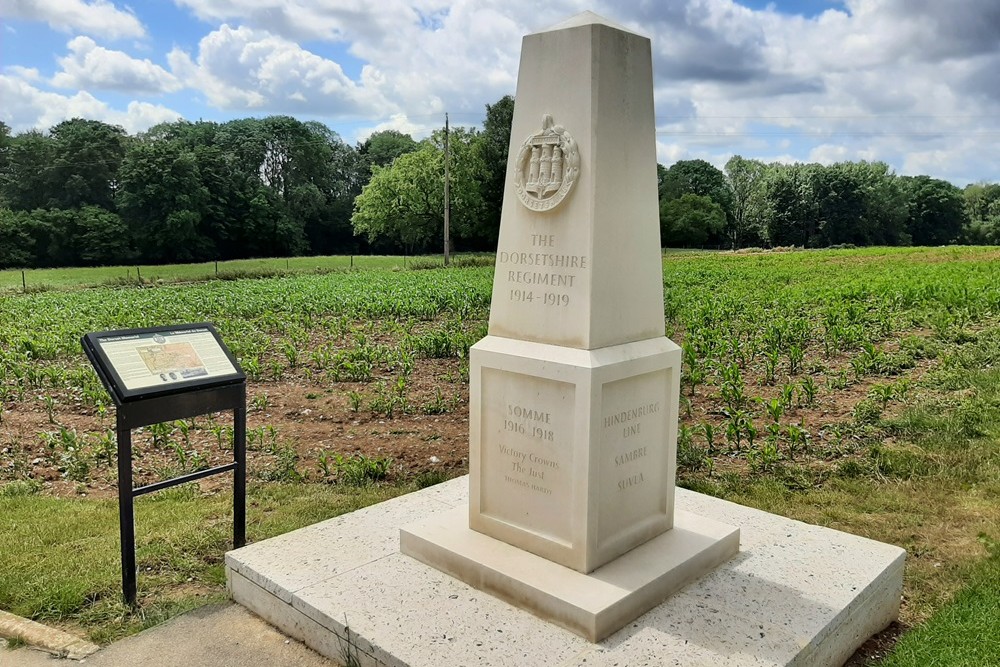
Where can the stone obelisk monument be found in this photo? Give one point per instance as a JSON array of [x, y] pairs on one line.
[[574, 392]]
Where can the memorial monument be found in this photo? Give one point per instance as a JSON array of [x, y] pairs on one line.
[[574, 392], [569, 510]]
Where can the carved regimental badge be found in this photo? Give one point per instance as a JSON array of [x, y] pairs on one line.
[[546, 167]]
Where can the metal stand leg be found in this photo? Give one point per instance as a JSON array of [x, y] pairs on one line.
[[126, 514], [240, 476]]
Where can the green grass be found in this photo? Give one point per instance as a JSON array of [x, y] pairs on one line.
[[37, 279], [928, 480], [965, 633], [60, 559]]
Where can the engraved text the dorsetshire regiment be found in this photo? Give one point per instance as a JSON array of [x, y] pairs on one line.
[[530, 269]]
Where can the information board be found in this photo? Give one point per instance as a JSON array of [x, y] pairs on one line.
[[157, 361]]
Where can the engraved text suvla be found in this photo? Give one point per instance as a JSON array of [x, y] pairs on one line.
[[632, 480]]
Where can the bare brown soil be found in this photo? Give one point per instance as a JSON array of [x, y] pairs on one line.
[[308, 416]]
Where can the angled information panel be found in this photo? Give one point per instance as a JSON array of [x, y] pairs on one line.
[[136, 364]]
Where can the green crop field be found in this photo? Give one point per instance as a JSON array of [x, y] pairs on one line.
[[42, 279], [858, 389]]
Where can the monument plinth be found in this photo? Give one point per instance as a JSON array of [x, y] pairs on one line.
[[574, 392]]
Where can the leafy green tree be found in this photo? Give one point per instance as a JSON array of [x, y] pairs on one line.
[[840, 207], [327, 201], [982, 208], [103, 237], [884, 202], [697, 177], [790, 215], [85, 161], [937, 211], [494, 144], [17, 246], [690, 221], [403, 204], [5, 142], [161, 200], [383, 147], [746, 183], [26, 181]]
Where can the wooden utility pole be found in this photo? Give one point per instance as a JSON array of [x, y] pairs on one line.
[[447, 192]]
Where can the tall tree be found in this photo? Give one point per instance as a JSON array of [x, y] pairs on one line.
[[790, 216], [746, 183], [697, 177], [982, 208], [26, 182], [17, 245], [162, 199], [403, 204], [690, 221], [936, 210], [384, 146], [494, 144], [5, 142], [86, 157]]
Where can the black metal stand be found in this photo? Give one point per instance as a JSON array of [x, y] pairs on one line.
[[168, 408]]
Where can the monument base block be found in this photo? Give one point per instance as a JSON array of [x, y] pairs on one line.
[[591, 605], [795, 594]]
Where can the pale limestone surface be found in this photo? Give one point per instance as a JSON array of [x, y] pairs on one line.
[[587, 273], [572, 453], [795, 595], [591, 605], [574, 392]]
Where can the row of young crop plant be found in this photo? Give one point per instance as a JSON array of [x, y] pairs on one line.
[[764, 337], [355, 328]]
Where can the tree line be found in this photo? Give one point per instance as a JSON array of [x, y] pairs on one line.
[[87, 193], [752, 203]]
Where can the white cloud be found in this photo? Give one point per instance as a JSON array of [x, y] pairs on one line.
[[27, 107], [911, 82], [399, 122], [26, 73], [91, 66], [883, 81], [345, 20], [243, 68], [99, 17]]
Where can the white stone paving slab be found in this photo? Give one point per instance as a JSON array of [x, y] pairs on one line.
[[592, 605], [796, 594], [302, 557]]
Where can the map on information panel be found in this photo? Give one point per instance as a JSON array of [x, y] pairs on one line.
[[138, 363], [175, 360]]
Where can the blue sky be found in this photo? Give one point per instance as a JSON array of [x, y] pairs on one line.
[[914, 83]]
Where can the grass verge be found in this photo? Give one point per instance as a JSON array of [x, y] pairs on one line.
[[966, 632], [34, 280], [59, 559], [926, 477]]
